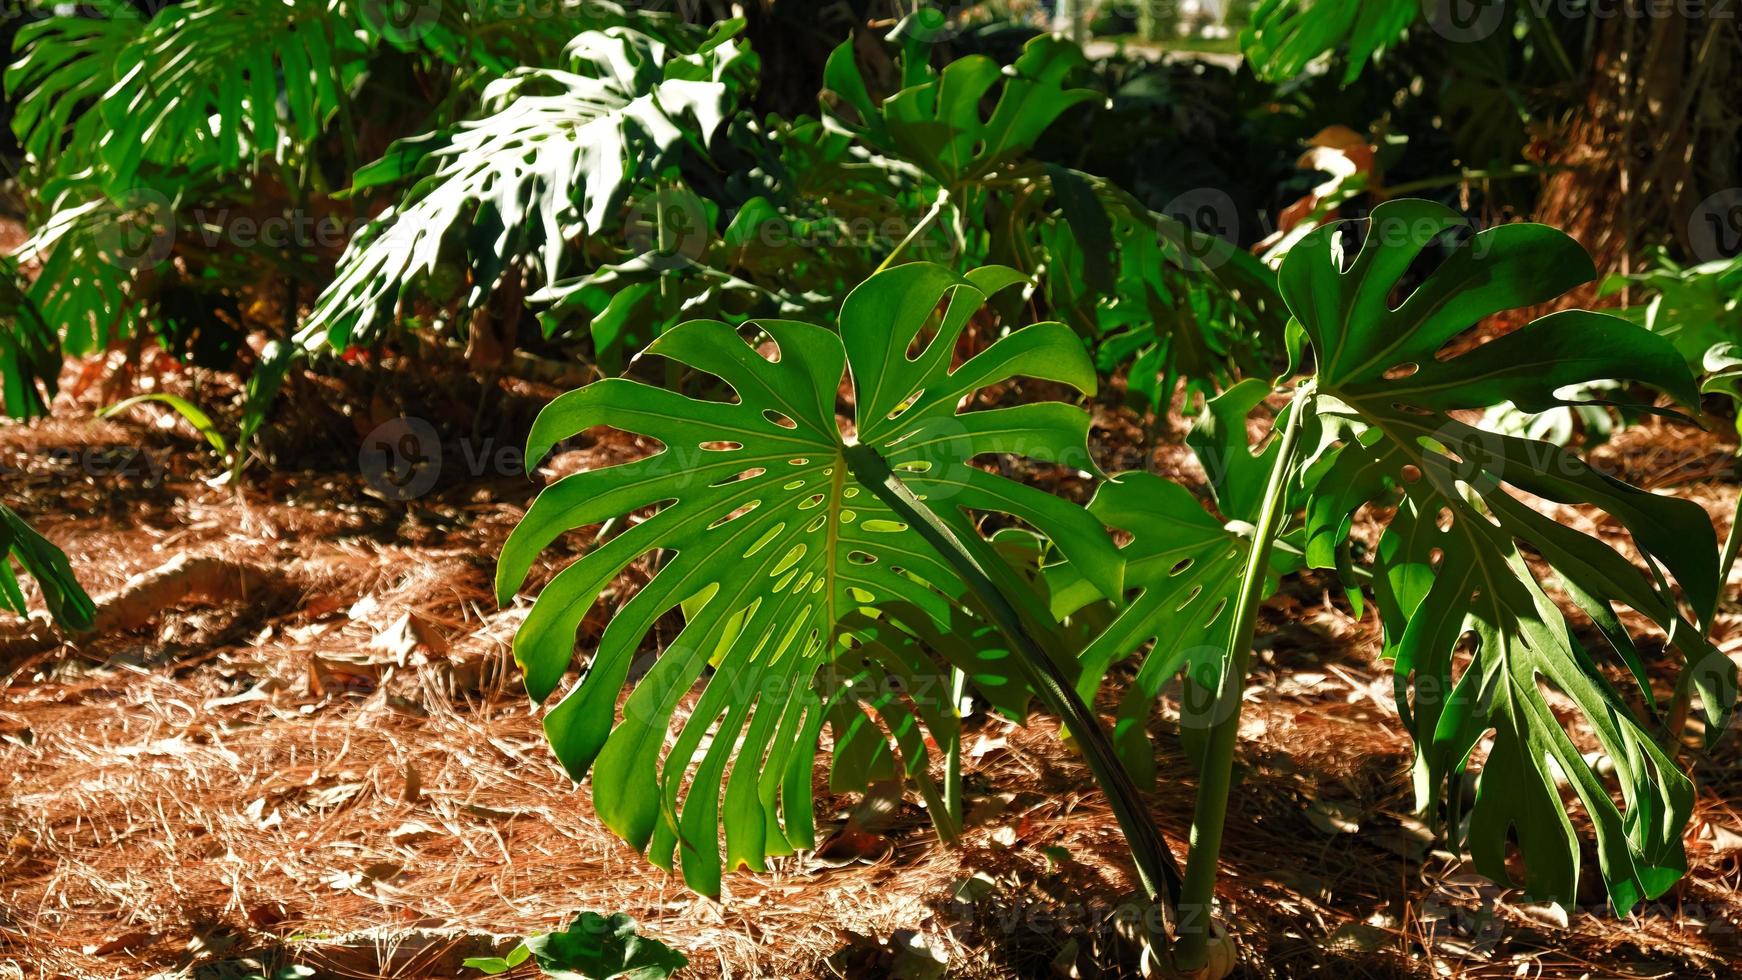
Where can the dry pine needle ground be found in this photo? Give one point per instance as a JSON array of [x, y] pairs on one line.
[[340, 770]]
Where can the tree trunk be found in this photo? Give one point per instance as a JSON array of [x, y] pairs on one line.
[[1651, 146]]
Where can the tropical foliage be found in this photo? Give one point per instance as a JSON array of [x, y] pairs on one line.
[[848, 340]]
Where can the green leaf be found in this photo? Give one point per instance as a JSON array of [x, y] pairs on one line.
[[203, 85], [62, 65], [89, 250], [191, 413], [499, 964], [1694, 307], [551, 157], [595, 947], [1219, 441], [939, 124], [1451, 573], [30, 351], [1182, 576], [1723, 375], [1089, 223], [1182, 571], [67, 602], [1283, 37], [764, 526]]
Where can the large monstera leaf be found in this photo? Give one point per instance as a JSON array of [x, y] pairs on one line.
[[936, 121], [200, 85], [1478, 644], [551, 157], [786, 565]]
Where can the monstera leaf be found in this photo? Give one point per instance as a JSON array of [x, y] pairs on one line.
[[1477, 642], [785, 563], [593, 947], [1285, 36], [201, 85], [1183, 571], [936, 121], [30, 353], [551, 156], [91, 250], [61, 593], [61, 65]]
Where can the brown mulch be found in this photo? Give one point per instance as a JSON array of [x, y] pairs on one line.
[[343, 773]]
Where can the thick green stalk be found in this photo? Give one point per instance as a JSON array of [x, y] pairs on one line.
[[1677, 721], [1157, 870], [1199, 891], [1732, 541]]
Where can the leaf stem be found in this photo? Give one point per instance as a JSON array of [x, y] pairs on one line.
[[1199, 890], [1157, 871], [953, 754], [917, 230], [1732, 540]]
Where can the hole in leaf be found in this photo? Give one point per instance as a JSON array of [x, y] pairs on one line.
[[1216, 612], [767, 536], [795, 484], [749, 474], [1180, 567], [1196, 591], [1398, 372], [926, 334], [861, 558], [779, 418], [811, 501], [1444, 519], [759, 341], [1435, 557], [791, 558], [916, 466], [799, 461], [721, 446], [878, 525], [1411, 473], [906, 404], [734, 515]]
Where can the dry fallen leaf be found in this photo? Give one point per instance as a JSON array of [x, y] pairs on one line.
[[121, 943], [406, 635], [412, 831], [853, 843]]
